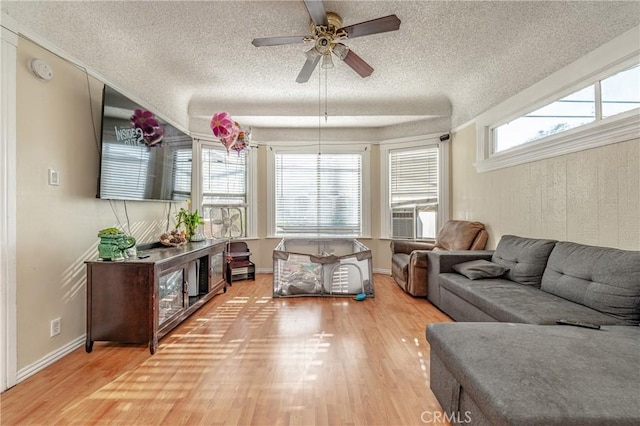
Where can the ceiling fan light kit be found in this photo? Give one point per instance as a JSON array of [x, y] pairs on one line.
[[340, 51], [327, 34], [327, 62]]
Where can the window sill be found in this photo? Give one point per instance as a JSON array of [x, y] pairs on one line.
[[611, 130], [324, 237], [423, 240]]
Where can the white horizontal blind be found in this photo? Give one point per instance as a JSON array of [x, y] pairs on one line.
[[224, 192], [182, 174], [318, 194], [124, 167], [413, 179], [224, 177]]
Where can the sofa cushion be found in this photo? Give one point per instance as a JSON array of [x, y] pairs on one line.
[[526, 258], [477, 269], [459, 235], [520, 374], [605, 279], [507, 301]]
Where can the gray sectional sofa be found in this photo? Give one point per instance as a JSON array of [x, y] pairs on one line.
[[507, 362]]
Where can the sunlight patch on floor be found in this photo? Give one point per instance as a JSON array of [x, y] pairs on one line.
[[238, 299]]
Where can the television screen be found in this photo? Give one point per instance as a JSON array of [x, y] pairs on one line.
[[143, 157]]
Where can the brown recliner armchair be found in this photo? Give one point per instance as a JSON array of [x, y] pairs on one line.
[[409, 258]]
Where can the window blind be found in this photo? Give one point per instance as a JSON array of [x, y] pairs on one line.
[[318, 194], [224, 177], [182, 174], [413, 179], [124, 167]]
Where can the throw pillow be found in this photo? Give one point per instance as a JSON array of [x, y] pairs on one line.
[[477, 269]]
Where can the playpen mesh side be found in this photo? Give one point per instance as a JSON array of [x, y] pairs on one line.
[[296, 275], [347, 278], [321, 272]]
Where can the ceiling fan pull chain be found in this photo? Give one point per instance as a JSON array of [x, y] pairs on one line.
[[319, 113], [326, 95]]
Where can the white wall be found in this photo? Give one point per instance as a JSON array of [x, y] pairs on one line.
[[57, 225], [590, 197]]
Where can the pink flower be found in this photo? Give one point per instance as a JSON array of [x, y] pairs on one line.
[[145, 120], [221, 124]]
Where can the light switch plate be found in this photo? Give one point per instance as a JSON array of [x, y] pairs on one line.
[[54, 178]]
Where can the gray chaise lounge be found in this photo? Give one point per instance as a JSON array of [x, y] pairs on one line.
[[522, 374], [509, 364]]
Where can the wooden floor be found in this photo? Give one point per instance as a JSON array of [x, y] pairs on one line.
[[248, 359]]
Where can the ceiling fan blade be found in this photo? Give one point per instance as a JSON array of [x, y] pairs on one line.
[[276, 41], [375, 26], [358, 64], [316, 12], [307, 69]]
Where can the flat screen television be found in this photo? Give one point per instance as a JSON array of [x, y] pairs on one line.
[[142, 156]]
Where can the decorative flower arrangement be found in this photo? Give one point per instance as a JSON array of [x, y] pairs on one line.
[[152, 132], [229, 132]]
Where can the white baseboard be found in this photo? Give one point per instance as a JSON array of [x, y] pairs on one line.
[[382, 271], [50, 358]]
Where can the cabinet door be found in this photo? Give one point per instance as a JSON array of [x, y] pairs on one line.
[[216, 275], [171, 294]]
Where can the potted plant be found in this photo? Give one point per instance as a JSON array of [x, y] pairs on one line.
[[190, 221]]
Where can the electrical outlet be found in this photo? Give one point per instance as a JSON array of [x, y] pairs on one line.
[[55, 327]]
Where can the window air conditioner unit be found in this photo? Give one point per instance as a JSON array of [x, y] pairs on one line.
[[403, 223]]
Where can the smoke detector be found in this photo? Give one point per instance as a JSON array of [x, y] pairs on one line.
[[41, 69]]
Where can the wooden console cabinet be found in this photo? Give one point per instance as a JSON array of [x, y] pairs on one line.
[[141, 299]]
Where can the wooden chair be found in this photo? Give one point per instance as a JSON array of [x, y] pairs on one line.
[[239, 265]]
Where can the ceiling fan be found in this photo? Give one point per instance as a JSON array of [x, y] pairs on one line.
[[327, 34]]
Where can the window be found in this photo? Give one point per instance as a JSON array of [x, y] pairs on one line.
[[415, 186], [224, 192], [319, 194], [606, 98], [564, 114], [591, 102], [621, 92], [413, 192]]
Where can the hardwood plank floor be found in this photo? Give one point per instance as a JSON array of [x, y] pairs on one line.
[[248, 359]]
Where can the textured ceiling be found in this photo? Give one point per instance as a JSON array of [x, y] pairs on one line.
[[454, 59]]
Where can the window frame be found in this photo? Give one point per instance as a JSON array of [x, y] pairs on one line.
[[443, 177], [605, 61], [365, 197], [251, 184]]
